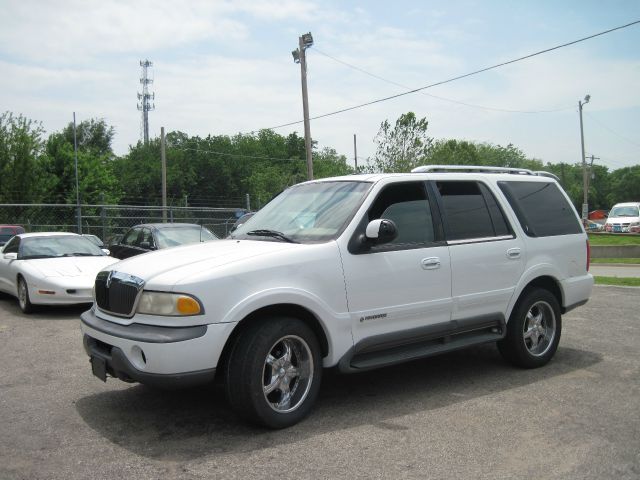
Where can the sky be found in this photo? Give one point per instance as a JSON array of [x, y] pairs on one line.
[[225, 67]]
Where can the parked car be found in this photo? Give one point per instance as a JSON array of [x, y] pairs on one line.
[[94, 239], [154, 236], [50, 269], [8, 231], [623, 217], [591, 226], [242, 220], [354, 272]]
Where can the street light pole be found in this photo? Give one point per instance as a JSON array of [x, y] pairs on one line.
[[585, 179], [75, 156], [299, 56]]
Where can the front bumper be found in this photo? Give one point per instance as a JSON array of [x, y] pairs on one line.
[[154, 355]]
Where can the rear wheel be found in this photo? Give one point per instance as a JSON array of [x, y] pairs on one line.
[[273, 372], [533, 330], [23, 296]]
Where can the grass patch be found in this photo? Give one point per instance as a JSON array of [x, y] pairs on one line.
[[613, 239], [625, 282], [631, 261]]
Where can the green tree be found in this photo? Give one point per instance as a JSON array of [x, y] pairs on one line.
[[403, 146], [21, 146], [97, 175]]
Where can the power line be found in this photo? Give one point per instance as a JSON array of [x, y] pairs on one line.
[[213, 152], [612, 131], [436, 96], [459, 77]]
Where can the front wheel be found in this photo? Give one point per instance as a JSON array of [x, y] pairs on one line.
[[533, 330], [273, 372], [23, 296]]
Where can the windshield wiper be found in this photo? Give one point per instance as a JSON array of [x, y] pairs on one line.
[[31, 257], [271, 233], [79, 254]]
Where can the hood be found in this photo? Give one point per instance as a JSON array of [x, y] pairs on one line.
[[189, 260], [71, 266]]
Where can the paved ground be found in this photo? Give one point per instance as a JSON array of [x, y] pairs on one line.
[[620, 270], [462, 415]]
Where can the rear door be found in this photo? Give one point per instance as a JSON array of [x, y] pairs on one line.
[[487, 259]]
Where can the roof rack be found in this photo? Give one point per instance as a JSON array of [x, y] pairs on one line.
[[480, 169]]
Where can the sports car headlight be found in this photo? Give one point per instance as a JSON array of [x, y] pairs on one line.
[[171, 304]]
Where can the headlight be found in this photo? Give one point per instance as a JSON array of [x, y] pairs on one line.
[[170, 304]]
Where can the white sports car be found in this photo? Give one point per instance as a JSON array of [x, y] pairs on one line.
[[50, 268]]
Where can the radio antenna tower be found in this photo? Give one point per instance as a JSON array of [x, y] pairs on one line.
[[145, 98]]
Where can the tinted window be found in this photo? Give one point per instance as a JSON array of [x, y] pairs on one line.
[[406, 204], [12, 246], [131, 238], [541, 208], [471, 211]]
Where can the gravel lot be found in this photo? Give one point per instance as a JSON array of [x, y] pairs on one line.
[[461, 415]]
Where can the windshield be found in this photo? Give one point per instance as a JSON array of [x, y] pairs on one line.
[[174, 236], [58, 246], [629, 211], [306, 213]]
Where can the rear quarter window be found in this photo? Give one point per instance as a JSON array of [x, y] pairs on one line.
[[541, 208]]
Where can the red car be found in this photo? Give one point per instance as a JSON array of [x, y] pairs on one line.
[[8, 231]]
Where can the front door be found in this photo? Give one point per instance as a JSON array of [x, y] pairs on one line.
[[405, 284]]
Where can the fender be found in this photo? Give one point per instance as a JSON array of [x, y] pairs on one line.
[[539, 270], [336, 326]]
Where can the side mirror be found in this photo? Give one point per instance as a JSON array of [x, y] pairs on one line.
[[11, 256], [106, 251], [145, 245], [381, 231]]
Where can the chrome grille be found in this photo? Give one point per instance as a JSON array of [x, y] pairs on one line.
[[117, 292]]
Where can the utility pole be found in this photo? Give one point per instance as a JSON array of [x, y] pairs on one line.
[[355, 152], [299, 56], [590, 175], [163, 159], [585, 179], [75, 156], [145, 97]]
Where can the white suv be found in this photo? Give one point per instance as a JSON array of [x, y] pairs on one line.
[[354, 272]]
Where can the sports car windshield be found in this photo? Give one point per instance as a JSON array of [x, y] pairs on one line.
[[58, 246], [306, 213]]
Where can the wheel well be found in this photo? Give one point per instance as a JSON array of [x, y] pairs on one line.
[[283, 309], [546, 283]]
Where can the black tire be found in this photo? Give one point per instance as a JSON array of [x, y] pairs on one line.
[[258, 362], [533, 330], [23, 296]]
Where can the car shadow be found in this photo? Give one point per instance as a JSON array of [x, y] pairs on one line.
[[187, 424]]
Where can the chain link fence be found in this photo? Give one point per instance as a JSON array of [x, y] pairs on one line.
[[108, 221]]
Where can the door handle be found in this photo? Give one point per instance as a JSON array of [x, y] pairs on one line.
[[430, 263], [513, 253]]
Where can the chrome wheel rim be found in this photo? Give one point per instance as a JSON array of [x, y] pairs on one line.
[[539, 329], [22, 294], [287, 374]]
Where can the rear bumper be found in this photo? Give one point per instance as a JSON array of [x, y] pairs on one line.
[[576, 291]]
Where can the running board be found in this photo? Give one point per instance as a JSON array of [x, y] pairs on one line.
[[420, 343]]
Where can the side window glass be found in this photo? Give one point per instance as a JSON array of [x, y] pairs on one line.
[[131, 238], [498, 220], [147, 237], [541, 208], [407, 205], [13, 246], [466, 211]]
